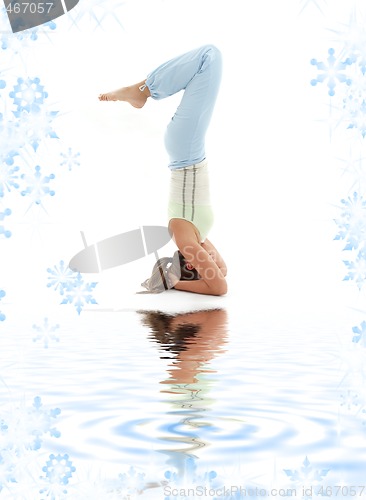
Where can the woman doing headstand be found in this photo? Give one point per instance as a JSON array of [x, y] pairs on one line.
[[198, 73]]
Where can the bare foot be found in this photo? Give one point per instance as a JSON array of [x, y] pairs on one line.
[[132, 95]]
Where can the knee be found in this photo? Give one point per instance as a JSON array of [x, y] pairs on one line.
[[212, 49], [213, 52], [213, 55]]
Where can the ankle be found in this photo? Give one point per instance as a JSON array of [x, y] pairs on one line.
[[143, 88]]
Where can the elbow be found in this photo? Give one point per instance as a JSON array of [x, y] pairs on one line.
[[219, 288]]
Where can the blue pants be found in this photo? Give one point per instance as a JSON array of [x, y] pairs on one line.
[[198, 72]]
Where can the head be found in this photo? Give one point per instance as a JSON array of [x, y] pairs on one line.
[[177, 266], [171, 338]]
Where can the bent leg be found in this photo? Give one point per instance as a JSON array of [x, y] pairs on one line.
[[198, 73]]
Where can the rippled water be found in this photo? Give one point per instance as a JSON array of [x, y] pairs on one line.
[[256, 394]]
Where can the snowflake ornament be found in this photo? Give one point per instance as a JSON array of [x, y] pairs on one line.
[[4, 232], [61, 277], [79, 294], [71, 286], [306, 476], [332, 71], [359, 336], [36, 126], [12, 140], [41, 422], [15, 43], [37, 186], [58, 470], [46, 333], [8, 178], [23, 427], [350, 400], [70, 159], [28, 95], [357, 116], [353, 39], [131, 483], [352, 223], [190, 478], [354, 106], [357, 269], [7, 469]]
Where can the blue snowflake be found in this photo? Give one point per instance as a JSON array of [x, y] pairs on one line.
[[357, 269], [24, 427], [8, 178], [307, 476], [357, 116], [359, 336], [46, 333], [189, 477], [59, 470], [42, 421], [37, 186], [2, 295], [3, 231], [11, 140], [352, 224], [8, 156], [97, 11], [354, 106], [79, 293], [131, 483], [28, 95], [332, 71], [349, 400], [61, 277], [70, 159], [15, 42], [36, 126], [360, 57], [71, 285], [353, 38], [7, 469]]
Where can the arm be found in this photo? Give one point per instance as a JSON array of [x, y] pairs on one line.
[[198, 286], [207, 245], [212, 280]]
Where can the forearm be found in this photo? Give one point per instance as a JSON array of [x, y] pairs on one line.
[[223, 269], [200, 286]]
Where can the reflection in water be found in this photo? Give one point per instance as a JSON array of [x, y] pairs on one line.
[[190, 341]]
